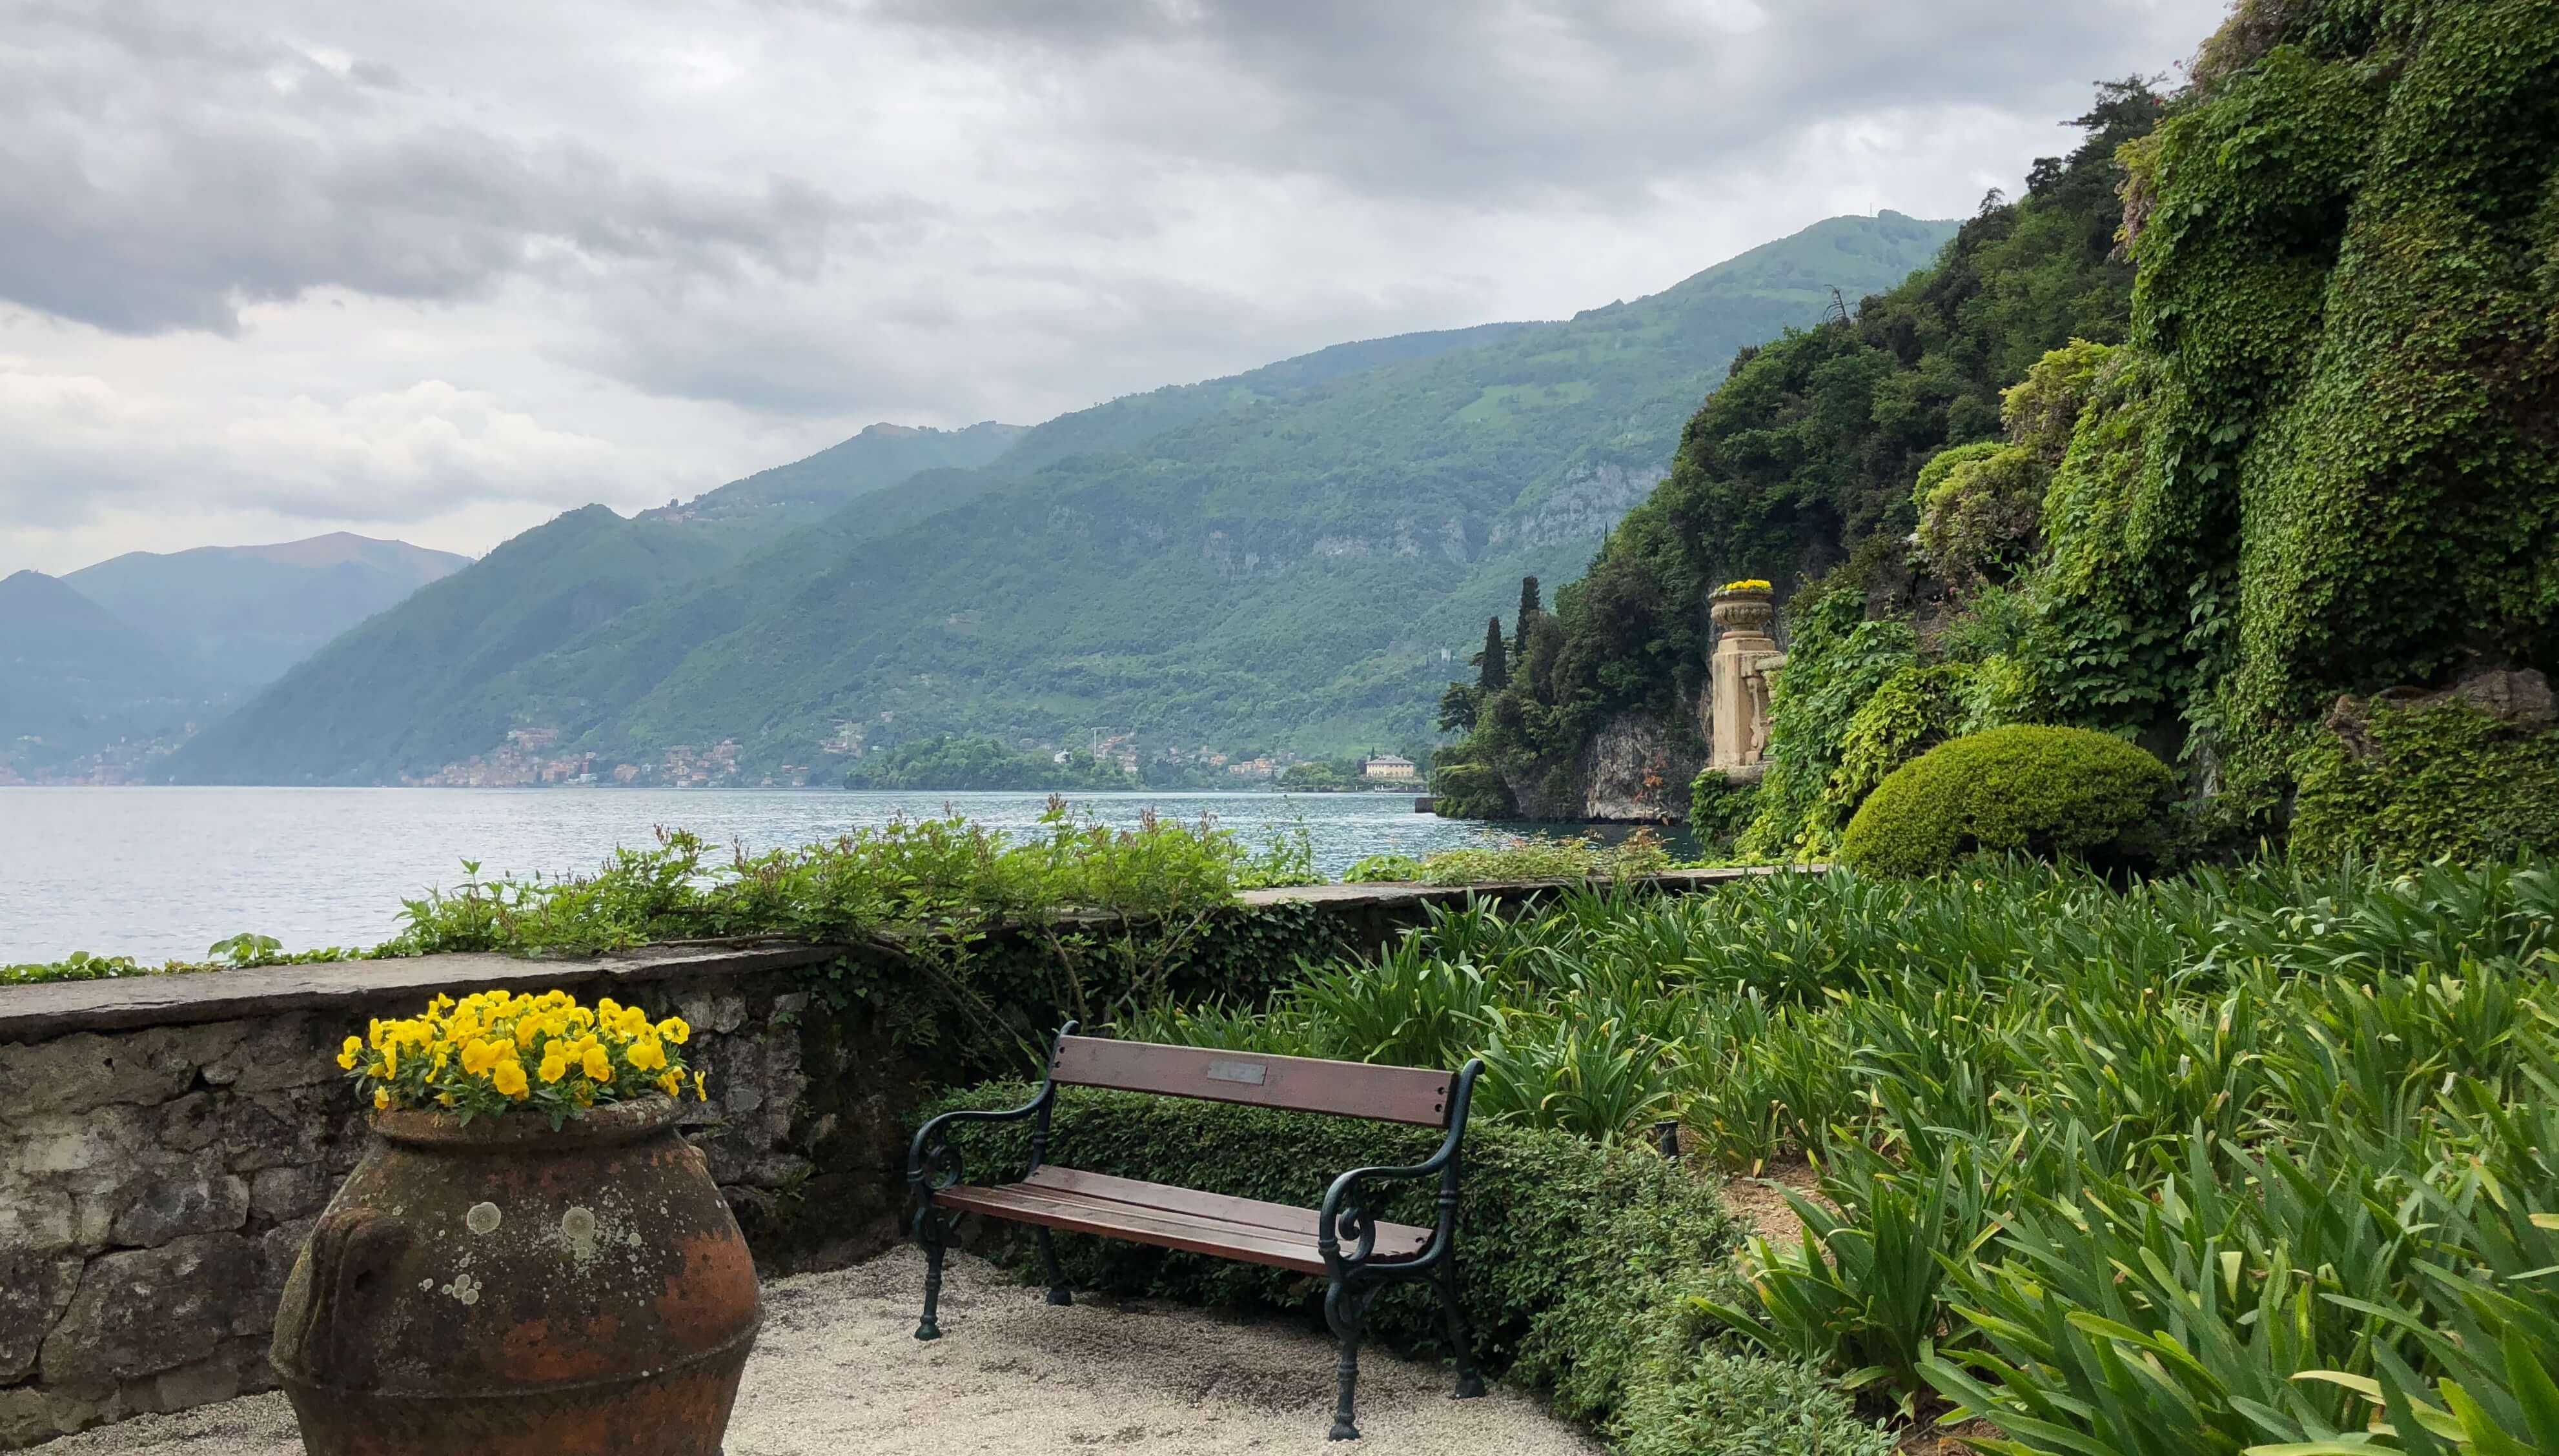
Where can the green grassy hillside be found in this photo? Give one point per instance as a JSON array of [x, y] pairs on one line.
[[1273, 560]]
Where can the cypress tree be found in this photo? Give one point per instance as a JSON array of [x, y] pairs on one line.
[[1497, 671], [1528, 608]]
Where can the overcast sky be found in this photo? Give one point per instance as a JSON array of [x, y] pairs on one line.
[[440, 271]]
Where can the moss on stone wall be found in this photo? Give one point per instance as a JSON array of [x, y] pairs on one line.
[[2408, 784]]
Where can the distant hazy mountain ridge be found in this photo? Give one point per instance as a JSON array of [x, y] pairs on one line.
[[75, 679], [1278, 559], [241, 614], [105, 668]]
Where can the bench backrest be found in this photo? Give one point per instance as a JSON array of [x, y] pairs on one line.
[[1293, 1084]]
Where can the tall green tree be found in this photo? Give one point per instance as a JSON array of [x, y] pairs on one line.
[[1458, 708], [1529, 607], [1494, 659]]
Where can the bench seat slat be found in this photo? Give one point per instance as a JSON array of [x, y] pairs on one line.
[[1168, 1217], [1278, 1217]]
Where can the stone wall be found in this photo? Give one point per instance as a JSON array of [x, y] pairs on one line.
[[166, 1141], [165, 1144]]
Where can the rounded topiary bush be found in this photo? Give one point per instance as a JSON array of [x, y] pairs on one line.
[[2044, 791]]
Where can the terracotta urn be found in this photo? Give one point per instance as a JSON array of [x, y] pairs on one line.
[[509, 1289]]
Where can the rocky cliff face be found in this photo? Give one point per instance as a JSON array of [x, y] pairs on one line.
[[1591, 498], [1634, 771]]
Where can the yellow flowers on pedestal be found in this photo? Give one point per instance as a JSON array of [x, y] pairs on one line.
[[494, 1052]]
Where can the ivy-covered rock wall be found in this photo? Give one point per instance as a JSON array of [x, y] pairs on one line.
[[2330, 462], [2250, 403]]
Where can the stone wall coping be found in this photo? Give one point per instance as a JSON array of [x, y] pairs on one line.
[[44, 1011], [50, 1009]]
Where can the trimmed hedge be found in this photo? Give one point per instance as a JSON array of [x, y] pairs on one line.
[[1576, 1263], [2051, 791]]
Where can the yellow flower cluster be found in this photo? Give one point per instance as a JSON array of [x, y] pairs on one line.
[[1747, 584], [494, 1051]]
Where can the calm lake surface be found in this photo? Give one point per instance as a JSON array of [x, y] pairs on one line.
[[162, 873]]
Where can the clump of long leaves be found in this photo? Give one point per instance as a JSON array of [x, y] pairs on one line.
[[2257, 1160]]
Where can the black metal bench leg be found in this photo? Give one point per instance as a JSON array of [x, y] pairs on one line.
[[1343, 1310], [1058, 1292], [1469, 1384], [928, 1232]]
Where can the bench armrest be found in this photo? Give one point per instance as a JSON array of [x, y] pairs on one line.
[[1346, 1216], [933, 1163]]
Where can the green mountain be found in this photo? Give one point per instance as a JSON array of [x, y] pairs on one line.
[[882, 457], [1285, 558], [367, 693], [75, 679], [239, 616]]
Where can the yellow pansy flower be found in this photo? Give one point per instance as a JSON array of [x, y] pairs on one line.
[[674, 1029], [509, 1078], [598, 1065], [381, 1097], [702, 1091], [646, 1055], [347, 1054], [669, 1082], [554, 1065], [479, 1057]]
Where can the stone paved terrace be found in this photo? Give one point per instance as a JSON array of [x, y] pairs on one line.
[[838, 1370]]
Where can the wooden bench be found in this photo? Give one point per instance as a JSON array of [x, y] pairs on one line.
[[1357, 1255]]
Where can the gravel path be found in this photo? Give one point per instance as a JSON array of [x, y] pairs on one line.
[[837, 1368]]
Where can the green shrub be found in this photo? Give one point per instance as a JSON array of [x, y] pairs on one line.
[[1566, 1250], [2426, 783], [1380, 869], [1719, 809], [1468, 790], [1538, 857], [1694, 1397], [1978, 514], [1914, 710], [2046, 790]]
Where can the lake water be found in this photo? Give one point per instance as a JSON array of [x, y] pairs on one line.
[[162, 873]]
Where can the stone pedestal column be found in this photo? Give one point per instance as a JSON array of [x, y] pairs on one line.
[[1746, 661]]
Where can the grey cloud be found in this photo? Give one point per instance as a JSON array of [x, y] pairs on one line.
[[152, 178], [662, 239], [1087, 333], [1473, 100]]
